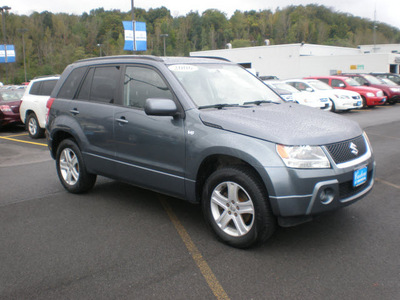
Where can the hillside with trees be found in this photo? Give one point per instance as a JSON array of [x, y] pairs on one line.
[[53, 41]]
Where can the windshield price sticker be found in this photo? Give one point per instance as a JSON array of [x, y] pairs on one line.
[[360, 176], [183, 68]]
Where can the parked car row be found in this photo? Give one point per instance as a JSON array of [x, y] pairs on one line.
[[344, 92], [334, 93]]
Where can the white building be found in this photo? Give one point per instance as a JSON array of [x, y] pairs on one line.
[[301, 60]]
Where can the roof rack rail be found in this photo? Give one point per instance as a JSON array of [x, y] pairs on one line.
[[213, 57], [46, 76], [149, 57]]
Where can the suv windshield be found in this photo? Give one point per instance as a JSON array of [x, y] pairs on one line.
[[352, 82], [222, 84]]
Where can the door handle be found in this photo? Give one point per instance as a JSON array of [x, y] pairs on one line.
[[74, 111], [122, 120]]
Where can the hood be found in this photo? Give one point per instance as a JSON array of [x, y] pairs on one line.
[[345, 92], [363, 88], [288, 124]]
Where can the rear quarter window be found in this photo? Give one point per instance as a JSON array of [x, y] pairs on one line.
[[47, 87], [35, 88], [71, 84]]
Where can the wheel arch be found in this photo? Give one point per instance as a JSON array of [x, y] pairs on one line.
[[27, 113], [56, 140], [217, 161]]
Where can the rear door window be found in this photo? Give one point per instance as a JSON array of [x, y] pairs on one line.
[[101, 84]]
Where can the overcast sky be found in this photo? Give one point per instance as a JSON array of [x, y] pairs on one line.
[[387, 11]]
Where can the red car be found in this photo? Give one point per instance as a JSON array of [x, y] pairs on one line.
[[10, 101], [371, 96], [392, 93]]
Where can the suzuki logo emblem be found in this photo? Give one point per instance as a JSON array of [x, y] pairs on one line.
[[353, 148]]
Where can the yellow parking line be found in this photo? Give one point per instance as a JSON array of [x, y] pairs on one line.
[[205, 270], [26, 142], [15, 135], [388, 183]]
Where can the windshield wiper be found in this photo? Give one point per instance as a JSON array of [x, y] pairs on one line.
[[257, 102], [218, 106]]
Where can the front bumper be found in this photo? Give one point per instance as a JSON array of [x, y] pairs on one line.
[[372, 101], [310, 192]]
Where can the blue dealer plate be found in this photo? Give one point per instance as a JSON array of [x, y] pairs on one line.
[[360, 176]]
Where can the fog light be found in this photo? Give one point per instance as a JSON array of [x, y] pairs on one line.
[[327, 195]]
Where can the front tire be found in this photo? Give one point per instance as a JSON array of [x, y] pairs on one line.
[[71, 168], [333, 108], [33, 127], [364, 102], [236, 207]]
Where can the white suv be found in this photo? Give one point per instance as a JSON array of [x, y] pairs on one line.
[[33, 106]]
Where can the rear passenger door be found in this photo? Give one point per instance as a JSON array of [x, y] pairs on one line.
[[150, 149], [92, 108]]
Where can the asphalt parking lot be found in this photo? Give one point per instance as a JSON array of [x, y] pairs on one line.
[[122, 242]]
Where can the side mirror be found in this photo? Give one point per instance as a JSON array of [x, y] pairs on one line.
[[341, 85], [160, 107]]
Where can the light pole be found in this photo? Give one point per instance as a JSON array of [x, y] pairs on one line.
[[99, 45], [23, 31], [5, 9], [133, 26], [164, 35]]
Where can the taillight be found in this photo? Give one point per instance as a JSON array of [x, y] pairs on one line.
[[48, 106]]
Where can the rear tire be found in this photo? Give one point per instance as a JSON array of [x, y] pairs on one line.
[[236, 207], [32, 125], [71, 168]]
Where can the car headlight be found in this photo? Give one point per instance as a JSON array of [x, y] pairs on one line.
[[370, 95], [303, 157], [342, 96], [395, 90]]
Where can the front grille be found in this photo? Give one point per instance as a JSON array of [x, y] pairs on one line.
[[356, 97], [347, 150], [347, 190]]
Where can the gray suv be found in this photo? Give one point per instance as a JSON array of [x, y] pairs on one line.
[[209, 132]]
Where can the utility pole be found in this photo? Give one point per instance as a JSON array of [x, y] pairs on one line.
[[23, 31], [133, 26], [5, 9]]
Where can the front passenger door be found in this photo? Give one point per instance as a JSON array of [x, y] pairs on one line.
[[150, 149]]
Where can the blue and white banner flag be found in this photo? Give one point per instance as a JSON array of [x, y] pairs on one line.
[[10, 54], [140, 36]]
